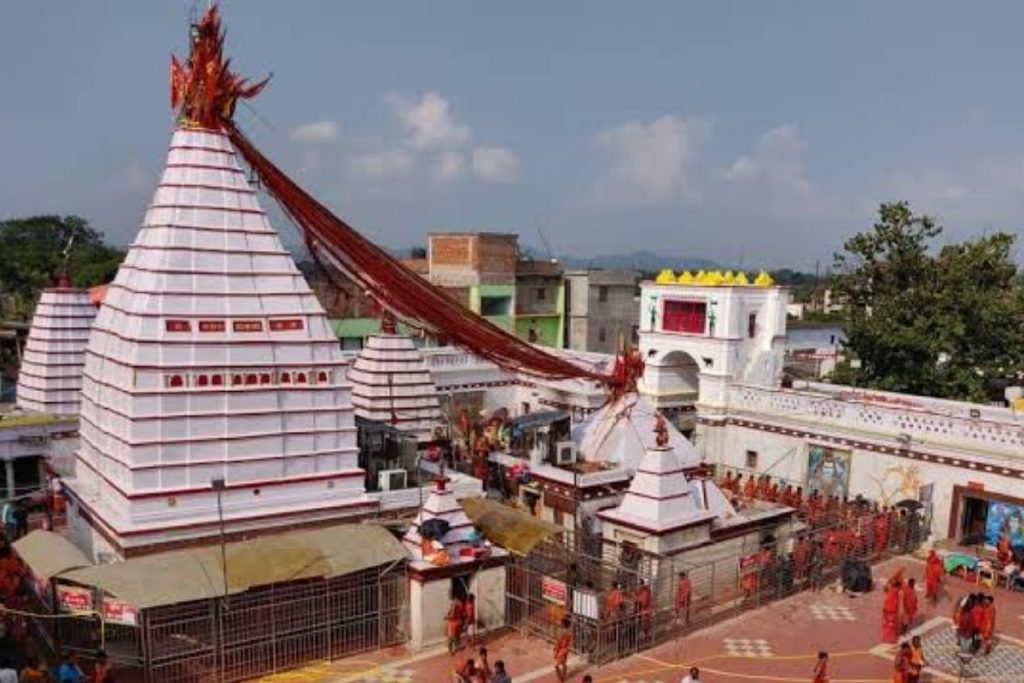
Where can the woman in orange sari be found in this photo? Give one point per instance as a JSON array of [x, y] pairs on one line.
[[932, 577], [891, 609], [987, 627]]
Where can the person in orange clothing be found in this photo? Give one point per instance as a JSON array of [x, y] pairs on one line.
[[933, 572], [644, 604], [1004, 553], [562, 647], [987, 625], [891, 609], [453, 620], [683, 590], [901, 664], [909, 600], [749, 488], [821, 668]]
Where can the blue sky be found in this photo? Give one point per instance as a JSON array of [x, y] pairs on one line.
[[762, 131]]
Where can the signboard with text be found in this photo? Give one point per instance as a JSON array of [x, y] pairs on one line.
[[553, 590], [118, 612], [72, 599]]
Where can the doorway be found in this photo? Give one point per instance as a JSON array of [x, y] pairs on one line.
[[972, 528]]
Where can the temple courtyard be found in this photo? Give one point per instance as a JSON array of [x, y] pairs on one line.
[[777, 643]]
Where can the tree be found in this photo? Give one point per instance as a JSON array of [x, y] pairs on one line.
[[33, 255], [923, 323]]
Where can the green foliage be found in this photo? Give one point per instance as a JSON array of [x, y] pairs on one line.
[[33, 255], [924, 323]]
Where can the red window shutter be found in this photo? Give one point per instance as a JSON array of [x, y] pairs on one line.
[[684, 316]]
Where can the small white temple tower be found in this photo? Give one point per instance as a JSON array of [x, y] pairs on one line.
[[392, 384], [663, 511], [50, 380]]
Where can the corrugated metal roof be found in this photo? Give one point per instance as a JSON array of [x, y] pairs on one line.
[[196, 574], [507, 527], [49, 554]]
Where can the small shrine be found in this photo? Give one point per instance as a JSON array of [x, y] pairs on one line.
[[392, 384], [662, 511], [451, 560], [50, 380]]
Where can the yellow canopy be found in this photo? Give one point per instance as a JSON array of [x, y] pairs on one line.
[[509, 528]]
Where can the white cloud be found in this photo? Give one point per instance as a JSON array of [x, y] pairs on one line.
[[315, 132], [449, 166], [778, 165], [651, 161], [384, 165], [430, 123], [495, 164]]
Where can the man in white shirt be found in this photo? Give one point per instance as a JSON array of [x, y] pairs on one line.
[[693, 676], [7, 672]]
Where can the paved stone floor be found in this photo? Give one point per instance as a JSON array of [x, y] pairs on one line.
[[774, 644]]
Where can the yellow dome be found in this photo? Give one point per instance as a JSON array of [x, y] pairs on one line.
[[728, 278], [764, 280], [714, 277], [741, 278], [685, 278], [666, 277]]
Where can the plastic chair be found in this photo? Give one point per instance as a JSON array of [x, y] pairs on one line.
[[986, 576]]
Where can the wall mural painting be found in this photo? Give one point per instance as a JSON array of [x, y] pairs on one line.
[[828, 471], [1005, 518], [898, 482]]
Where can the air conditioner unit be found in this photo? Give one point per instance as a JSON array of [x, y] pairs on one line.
[[392, 480], [565, 452]]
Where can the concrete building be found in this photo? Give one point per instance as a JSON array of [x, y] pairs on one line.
[[484, 273], [540, 302], [27, 443], [600, 310], [813, 348]]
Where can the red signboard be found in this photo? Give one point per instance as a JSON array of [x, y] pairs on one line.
[[247, 326], [178, 326], [74, 599], [285, 325], [553, 590], [211, 326], [119, 612]]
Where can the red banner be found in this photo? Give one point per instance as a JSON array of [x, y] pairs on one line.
[[211, 326], [178, 326]]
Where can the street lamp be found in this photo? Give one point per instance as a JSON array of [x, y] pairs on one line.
[[217, 484]]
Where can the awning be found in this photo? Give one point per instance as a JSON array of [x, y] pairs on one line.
[[507, 527], [196, 574], [48, 554]]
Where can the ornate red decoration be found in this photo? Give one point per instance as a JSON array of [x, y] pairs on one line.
[[204, 90]]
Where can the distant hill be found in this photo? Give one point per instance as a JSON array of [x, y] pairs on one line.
[[646, 261]]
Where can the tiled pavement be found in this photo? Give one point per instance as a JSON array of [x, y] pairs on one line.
[[1004, 664], [793, 629]]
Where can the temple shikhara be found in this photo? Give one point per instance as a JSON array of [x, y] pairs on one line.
[[50, 378], [207, 469]]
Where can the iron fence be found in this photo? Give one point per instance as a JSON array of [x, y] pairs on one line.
[[624, 600], [240, 637]]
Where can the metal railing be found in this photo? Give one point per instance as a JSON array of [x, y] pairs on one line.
[[558, 581]]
